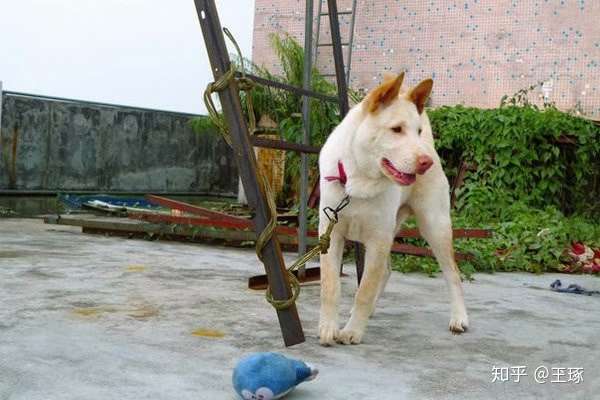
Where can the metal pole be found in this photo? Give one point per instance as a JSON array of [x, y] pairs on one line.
[[230, 102], [350, 43], [342, 89], [306, 84], [338, 57]]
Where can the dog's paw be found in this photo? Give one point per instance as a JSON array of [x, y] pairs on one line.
[[458, 323], [350, 336], [328, 333]]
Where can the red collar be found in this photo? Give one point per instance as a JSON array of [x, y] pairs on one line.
[[341, 175]]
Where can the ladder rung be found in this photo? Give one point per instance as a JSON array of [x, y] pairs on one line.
[[339, 13], [331, 44]]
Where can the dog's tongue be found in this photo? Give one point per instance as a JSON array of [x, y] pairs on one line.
[[399, 176]]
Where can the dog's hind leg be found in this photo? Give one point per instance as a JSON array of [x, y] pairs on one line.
[[331, 288], [436, 227], [376, 261]]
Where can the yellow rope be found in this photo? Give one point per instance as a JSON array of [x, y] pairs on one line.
[[246, 84]]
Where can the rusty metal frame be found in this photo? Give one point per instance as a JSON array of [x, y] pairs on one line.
[[241, 143], [214, 40]]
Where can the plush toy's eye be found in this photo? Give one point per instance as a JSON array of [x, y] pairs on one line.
[[264, 393], [247, 395], [397, 129]]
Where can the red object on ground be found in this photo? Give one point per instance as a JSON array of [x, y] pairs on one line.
[[192, 209], [578, 248]]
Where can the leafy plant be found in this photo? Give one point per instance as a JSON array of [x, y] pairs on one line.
[[324, 116], [525, 239], [6, 212], [202, 124], [520, 97], [531, 168], [285, 108], [521, 154]]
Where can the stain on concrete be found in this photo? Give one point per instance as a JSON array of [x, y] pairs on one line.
[[135, 268], [10, 254], [208, 333], [90, 312], [140, 312], [143, 312]]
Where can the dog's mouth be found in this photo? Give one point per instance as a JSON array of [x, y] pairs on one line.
[[397, 176]]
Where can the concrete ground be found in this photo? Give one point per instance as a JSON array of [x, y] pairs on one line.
[[92, 317]]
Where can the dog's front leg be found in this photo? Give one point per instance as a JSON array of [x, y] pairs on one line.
[[376, 262], [331, 288], [436, 228]]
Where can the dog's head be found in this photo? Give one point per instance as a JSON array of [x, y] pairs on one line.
[[388, 140]]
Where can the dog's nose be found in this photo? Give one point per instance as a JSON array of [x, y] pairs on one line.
[[424, 162]]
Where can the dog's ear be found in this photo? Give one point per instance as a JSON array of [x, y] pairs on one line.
[[384, 93], [388, 76], [420, 93]]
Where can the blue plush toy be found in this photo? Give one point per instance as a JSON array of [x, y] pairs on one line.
[[269, 376]]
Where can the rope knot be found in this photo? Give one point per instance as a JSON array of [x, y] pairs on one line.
[[324, 241], [245, 83]]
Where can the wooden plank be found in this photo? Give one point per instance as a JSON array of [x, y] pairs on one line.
[[404, 248], [456, 233], [190, 208], [92, 223], [241, 223], [196, 221], [218, 223], [133, 226]]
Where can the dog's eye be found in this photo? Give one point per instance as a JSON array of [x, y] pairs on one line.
[[397, 129], [420, 130]]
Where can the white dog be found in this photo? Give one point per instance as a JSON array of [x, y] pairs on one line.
[[382, 156]]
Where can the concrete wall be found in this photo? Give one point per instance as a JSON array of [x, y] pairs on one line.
[[57, 144], [476, 51]]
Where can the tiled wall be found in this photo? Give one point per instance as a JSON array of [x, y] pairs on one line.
[[475, 50]]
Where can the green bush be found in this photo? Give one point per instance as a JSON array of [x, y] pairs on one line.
[[518, 157], [524, 239], [523, 184]]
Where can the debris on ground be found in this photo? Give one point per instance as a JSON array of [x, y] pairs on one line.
[[572, 288], [580, 258]]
